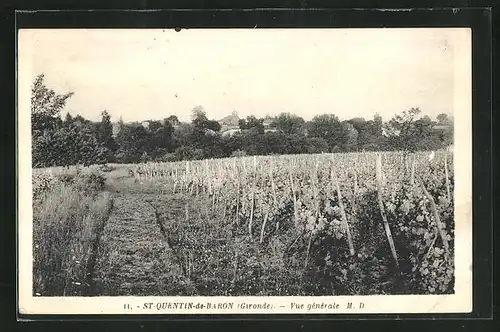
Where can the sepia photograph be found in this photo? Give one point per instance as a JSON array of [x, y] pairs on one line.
[[245, 170]]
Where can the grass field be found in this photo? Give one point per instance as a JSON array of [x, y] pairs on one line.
[[356, 223]]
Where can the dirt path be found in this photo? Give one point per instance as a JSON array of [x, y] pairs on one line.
[[135, 258]]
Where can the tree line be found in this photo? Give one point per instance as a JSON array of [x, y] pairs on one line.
[[63, 141]]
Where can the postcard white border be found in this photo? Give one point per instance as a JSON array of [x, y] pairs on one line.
[[460, 302]]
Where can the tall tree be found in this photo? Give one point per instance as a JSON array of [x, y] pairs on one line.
[[289, 123], [400, 130], [446, 133], [58, 143], [443, 119], [161, 138], [377, 125], [349, 137], [174, 121], [252, 122], [105, 132], [422, 136], [133, 142], [46, 106], [198, 113], [328, 127], [364, 132], [201, 122], [68, 119]]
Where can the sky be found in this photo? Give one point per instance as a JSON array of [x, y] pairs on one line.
[[146, 74]]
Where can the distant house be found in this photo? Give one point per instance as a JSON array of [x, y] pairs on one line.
[[145, 124], [267, 123], [270, 130], [231, 132], [209, 132], [230, 120], [441, 127]]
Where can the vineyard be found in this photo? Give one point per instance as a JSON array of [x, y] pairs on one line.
[[326, 224], [339, 221]]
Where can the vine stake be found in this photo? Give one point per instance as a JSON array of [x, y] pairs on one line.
[[382, 210], [448, 193], [435, 214], [342, 211]]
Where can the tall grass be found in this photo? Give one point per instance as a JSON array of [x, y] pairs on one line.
[[67, 224]]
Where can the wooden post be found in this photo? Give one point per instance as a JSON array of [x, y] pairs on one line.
[[316, 190], [263, 227], [382, 210], [333, 175], [441, 226], [448, 192], [292, 187], [253, 196], [308, 249], [355, 179], [412, 170], [355, 192], [273, 188], [238, 198]]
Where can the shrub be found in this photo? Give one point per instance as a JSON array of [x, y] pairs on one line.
[[317, 145], [90, 183], [184, 152], [238, 153], [169, 157], [42, 183], [106, 168]]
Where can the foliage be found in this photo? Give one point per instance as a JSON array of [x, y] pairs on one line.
[[136, 143], [61, 143], [349, 137], [201, 123], [174, 121], [46, 105], [105, 135], [69, 145], [252, 122], [317, 145], [288, 223], [327, 127], [238, 153], [401, 127], [289, 123]]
